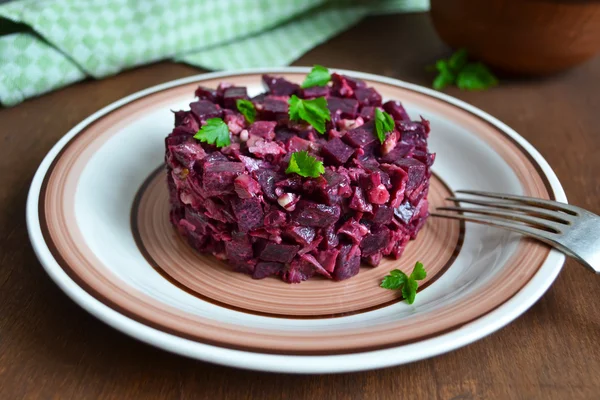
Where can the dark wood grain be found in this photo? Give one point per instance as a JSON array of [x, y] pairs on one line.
[[50, 348]]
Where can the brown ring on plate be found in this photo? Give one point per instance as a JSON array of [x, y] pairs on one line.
[[68, 247]]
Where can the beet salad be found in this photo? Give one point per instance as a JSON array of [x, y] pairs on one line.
[[301, 180]]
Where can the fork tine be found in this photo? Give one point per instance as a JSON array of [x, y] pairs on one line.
[[497, 212], [549, 204], [507, 205], [498, 222]]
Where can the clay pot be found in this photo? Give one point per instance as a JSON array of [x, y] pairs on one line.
[[531, 37]]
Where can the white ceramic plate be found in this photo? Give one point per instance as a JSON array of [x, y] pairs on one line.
[[93, 215]]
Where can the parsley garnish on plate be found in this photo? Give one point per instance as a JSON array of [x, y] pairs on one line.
[[313, 111], [318, 76], [214, 132], [398, 280], [305, 165], [247, 109], [384, 123], [466, 75]]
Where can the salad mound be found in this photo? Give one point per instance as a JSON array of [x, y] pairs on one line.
[[298, 181]]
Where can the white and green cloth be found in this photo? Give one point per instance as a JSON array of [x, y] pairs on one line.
[[47, 44]]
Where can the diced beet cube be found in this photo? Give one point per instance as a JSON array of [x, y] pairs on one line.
[[373, 259], [367, 97], [266, 179], [298, 271], [291, 182], [249, 214], [348, 263], [317, 267], [337, 152], [334, 187], [344, 85], [272, 109], [413, 132], [204, 93], [398, 178], [180, 116], [355, 83], [340, 86], [262, 148], [303, 235], [187, 153], [400, 151], [204, 110], [315, 214], [274, 218], [283, 133], [415, 170], [264, 269], [375, 242], [327, 259], [374, 185], [367, 113], [425, 157], [279, 86], [239, 249], [215, 157], [215, 209], [358, 201], [217, 177], [362, 136], [283, 253], [382, 215], [315, 91], [221, 88], [246, 187], [330, 238], [232, 94], [264, 129], [298, 144], [346, 108], [396, 110], [353, 230]]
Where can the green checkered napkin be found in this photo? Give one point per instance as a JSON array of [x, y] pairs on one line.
[[53, 43]]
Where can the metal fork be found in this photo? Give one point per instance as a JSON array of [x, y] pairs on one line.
[[570, 229]]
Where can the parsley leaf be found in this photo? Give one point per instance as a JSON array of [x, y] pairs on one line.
[[314, 111], [418, 272], [214, 132], [446, 76], [475, 76], [466, 75], [305, 165], [394, 280], [318, 76], [398, 280], [458, 60], [409, 290], [247, 109], [384, 123]]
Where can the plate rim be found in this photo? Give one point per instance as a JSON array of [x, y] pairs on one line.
[[439, 344]]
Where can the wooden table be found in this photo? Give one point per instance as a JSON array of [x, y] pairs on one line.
[[51, 348]]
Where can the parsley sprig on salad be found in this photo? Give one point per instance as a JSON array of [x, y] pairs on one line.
[[313, 111], [246, 107], [215, 131], [384, 123], [305, 165], [318, 76]]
